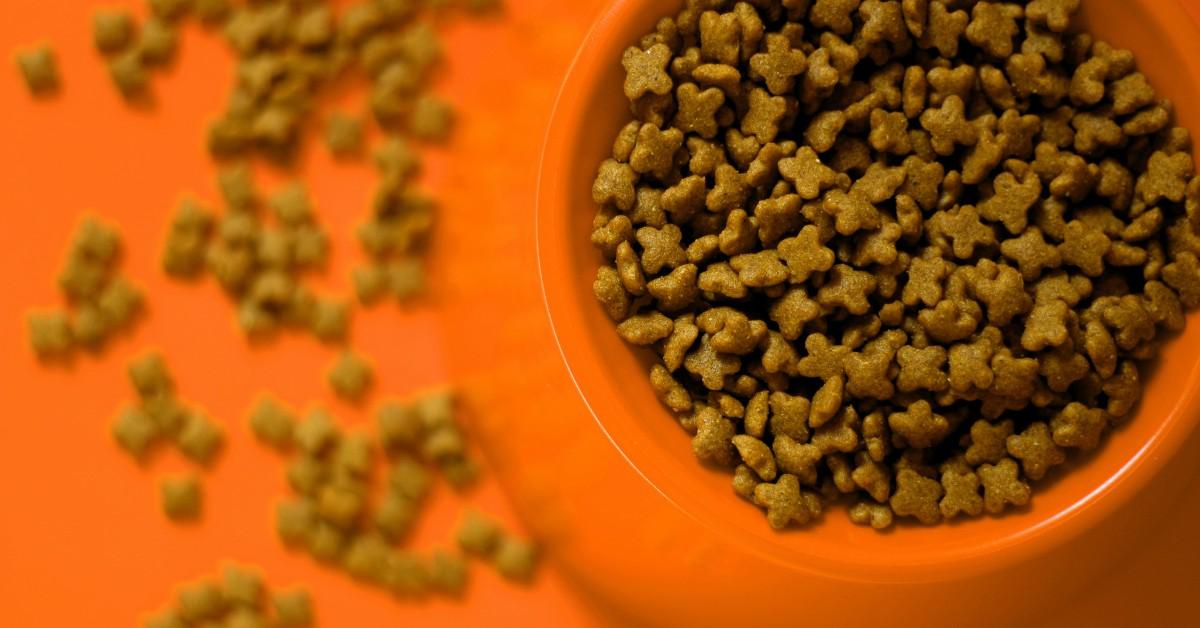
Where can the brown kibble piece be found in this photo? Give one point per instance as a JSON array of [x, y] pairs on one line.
[[1002, 486], [1036, 450], [350, 376], [112, 31], [181, 497], [39, 68], [785, 503], [917, 496], [645, 71], [878, 516], [962, 495]]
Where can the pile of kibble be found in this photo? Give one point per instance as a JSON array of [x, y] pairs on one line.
[[289, 56], [906, 255]]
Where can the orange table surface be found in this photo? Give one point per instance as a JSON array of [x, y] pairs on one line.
[[82, 540]]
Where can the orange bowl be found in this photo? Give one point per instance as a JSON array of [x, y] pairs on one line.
[[611, 378], [612, 447]]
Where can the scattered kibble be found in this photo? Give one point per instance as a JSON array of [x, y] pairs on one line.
[[159, 417], [915, 257], [101, 302], [350, 376], [112, 31], [340, 515], [39, 68], [273, 424], [258, 264], [293, 609], [238, 599], [481, 537], [182, 498]]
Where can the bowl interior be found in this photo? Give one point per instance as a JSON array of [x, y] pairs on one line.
[[611, 376]]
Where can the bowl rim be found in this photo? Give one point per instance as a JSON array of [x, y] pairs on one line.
[[1025, 543]]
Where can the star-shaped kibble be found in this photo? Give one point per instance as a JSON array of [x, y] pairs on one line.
[[851, 211], [654, 152], [697, 110], [926, 274], [917, 496], [1031, 252], [786, 503], [839, 435], [713, 442], [764, 115], [963, 229], [720, 279], [970, 362], [661, 248], [646, 71], [823, 360], [847, 288], [1002, 486], [1053, 14], [918, 426], [889, 132], [1123, 389], [1046, 325], [615, 185], [798, 459], [1078, 426], [1182, 275], [807, 174], [988, 441], [1084, 247], [1011, 200], [1062, 367], [1015, 377], [779, 65], [729, 191], [1002, 289], [922, 369], [1036, 450], [792, 311], [948, 126], [710, 365], [993, 26], [760, 270], [962, 494], [944, 30], [805, 254]]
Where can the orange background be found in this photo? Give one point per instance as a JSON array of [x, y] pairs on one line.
[[82, 540]]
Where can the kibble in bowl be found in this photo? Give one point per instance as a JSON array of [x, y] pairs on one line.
[[764, 247]]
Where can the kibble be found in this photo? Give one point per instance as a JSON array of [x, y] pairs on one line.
[[918, 259], [39, 68]]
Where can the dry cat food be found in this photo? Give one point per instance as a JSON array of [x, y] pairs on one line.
[[336, 515], [100, 301], [238, 599], [289, 54], [350, 376], [909, 255], [131, 50], [39, 68], [258, 259], [182, 497], [160, 416], [513, 557]]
